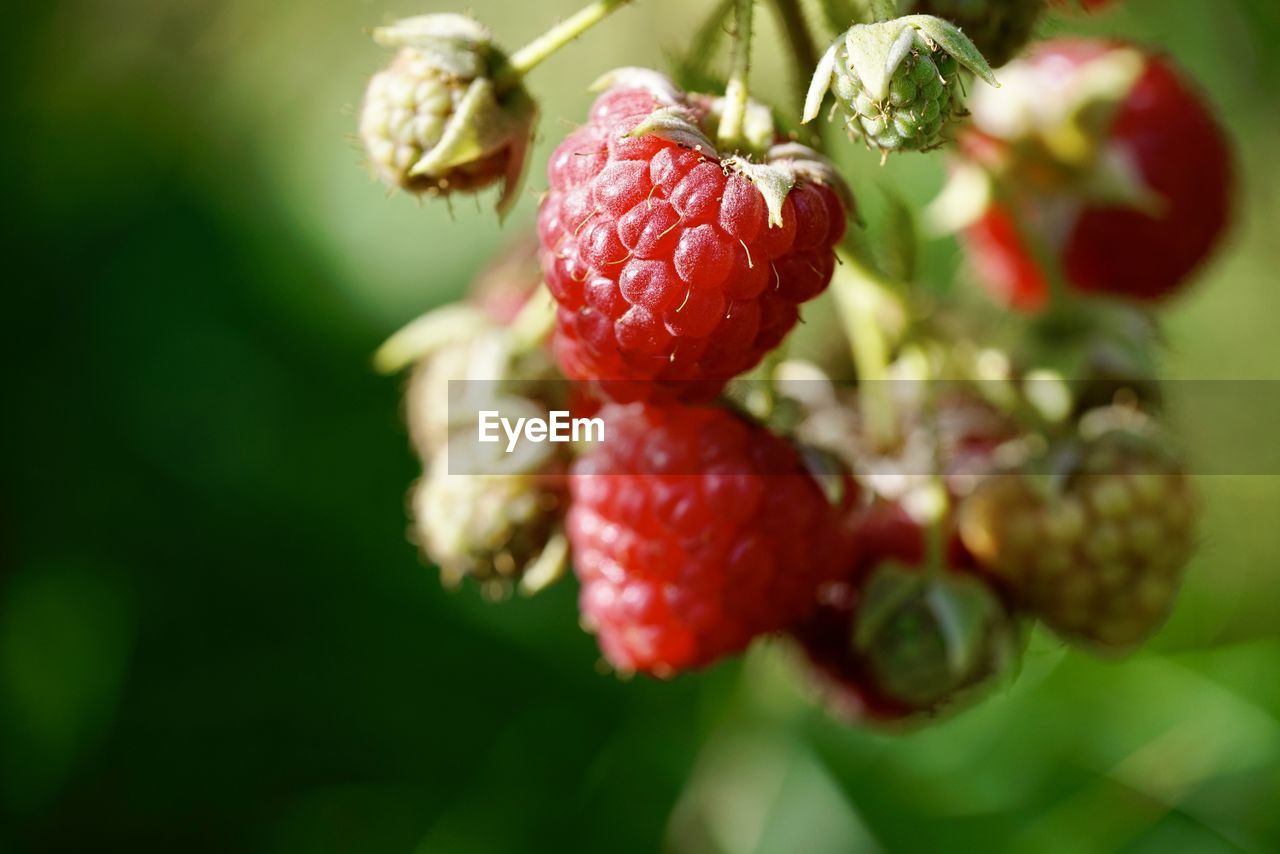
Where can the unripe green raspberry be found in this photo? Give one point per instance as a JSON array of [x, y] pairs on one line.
[[921, 102], [448, 387], [440, 119], [914, 653], [999, 28], [897, 82], [490, 526], [1099, 554]]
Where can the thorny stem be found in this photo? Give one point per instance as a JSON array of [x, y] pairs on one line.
[[735, 93], [524, 59]]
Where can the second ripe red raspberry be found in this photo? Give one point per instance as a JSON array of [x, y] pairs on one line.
[[693, 531]]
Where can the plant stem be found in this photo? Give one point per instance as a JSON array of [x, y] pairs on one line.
[[804, 54], [884, 10], [555, 38], [858, 291], [735, 93], [937, 531]]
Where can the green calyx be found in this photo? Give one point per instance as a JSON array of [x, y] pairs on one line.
[[927, 639], [897, 81], [774, 169]]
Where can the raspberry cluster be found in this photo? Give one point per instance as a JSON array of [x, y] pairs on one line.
[[902, 512], [1131, 211]]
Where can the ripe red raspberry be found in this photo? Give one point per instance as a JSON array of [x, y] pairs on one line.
[[884, 641], [668, 264], [1131, 208], [1098, 555], [694, 531]]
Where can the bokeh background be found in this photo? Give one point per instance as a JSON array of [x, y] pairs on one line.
[[214, 635]]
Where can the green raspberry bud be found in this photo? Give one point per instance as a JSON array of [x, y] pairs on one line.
[[998, 28], [440, 119], [897, 82]]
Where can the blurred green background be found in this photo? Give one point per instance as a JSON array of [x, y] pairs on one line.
[[214, 635]]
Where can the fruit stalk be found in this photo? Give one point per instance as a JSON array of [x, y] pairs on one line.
[[524, 59], [858, 288], [735, 92]]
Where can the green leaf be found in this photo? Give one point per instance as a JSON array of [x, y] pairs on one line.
[[874, 52], [674, 124]]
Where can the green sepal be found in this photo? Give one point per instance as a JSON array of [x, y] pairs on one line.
[[803, 162], [827, 470], [891, 587], [966, 613], [481, 126], [947, 36], [456, 44], [874, 52], [442, 327], [773, 181], [675, 124], [548, 567], [820, 84]]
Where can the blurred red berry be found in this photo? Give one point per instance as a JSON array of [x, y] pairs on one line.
[[1138, 207], [694, 531]]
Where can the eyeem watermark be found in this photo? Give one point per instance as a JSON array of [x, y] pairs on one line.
[[558, 427]]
